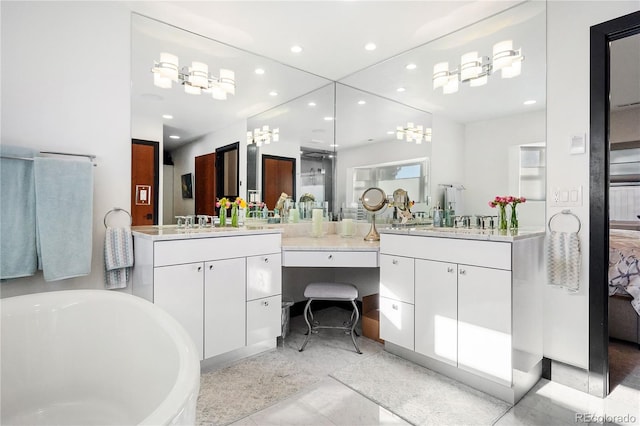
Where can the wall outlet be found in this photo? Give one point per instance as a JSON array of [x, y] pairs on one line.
[[567, 196]]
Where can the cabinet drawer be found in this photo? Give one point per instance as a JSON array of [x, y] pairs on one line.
[[264, 276], [263, 319], [490, 254], [203, 249], [397, 322], [397, 277], [330, 259]]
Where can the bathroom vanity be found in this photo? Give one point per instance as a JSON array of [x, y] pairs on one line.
[[466, 303], [223, 285]]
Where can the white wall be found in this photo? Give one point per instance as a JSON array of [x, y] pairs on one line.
[[65, 87], [184, 160], [566, 316]]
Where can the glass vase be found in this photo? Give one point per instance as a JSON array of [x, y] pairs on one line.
[[223, 216], [502, 220], [234, 215], [513, 224]]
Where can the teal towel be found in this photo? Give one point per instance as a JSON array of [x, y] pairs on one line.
[[64, 214], [17, 214]]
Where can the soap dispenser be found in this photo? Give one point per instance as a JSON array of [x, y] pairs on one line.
[[449, 214], [437, 220]]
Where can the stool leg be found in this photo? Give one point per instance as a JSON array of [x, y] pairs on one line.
[[353, 326], [306, 319]]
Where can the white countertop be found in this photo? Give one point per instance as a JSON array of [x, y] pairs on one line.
[[172, 232], [468, 233]]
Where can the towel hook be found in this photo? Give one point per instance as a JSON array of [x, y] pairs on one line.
[[115, 210], [565, 212]]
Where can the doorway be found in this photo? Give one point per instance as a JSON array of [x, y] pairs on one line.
[[601, 37], [278, 176], [205, 197], [145, 157]]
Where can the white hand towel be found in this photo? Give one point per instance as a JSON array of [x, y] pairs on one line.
[[563, 260], [118, 257]]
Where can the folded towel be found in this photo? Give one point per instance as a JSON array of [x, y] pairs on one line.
[[563, 260], [64, 215], [17, 214], [118, 257]]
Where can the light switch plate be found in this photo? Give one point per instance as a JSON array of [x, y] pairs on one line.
[[567, 196], [577, 144]]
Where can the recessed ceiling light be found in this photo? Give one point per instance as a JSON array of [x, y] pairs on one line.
[[411, 66], [401, 89], [334, 145], [273, 93], [259, 71], [328, 118], [167, 116], [362, 102], [174, 137], [391, 132], [530, 102], [370, 46], [311, 104], [296, 49]]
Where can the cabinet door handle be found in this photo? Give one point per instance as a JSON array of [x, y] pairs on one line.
[[394, 307], [211, 267], [265, 303], [330, 256], [394, 261], [463, 272], [199, 268], [266, 260], [449, 269]]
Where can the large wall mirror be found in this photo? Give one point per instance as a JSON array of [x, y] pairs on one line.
[[200, 124], [487, 139]]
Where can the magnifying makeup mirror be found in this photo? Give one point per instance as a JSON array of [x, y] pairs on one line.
[[373, 199]]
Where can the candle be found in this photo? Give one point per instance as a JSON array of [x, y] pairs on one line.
[[316, 222], [347, 227], [294, 215]]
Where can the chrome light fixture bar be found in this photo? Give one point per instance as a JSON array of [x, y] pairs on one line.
[[263, 136], [475, 70], [412, 133], [195, 79]]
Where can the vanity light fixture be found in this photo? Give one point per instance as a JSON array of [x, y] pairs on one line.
[[263, 136], [195, 79], [475, 70], [412, 133]]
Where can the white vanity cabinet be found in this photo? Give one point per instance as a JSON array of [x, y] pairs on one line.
[[397, 300], [177, 289], [466, 297], [225, 290], [264, 301], [224, 306]]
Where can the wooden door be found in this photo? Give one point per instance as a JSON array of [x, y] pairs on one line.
[[144, 182], [205, 185], [278, 176]]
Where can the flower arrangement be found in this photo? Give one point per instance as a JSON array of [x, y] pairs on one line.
[[223, 203], [502, 203], [238, 203], [241, 203]]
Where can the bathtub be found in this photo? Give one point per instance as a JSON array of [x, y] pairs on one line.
[[94, 357]]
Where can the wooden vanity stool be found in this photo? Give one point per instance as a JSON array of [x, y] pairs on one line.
[[340, 292]]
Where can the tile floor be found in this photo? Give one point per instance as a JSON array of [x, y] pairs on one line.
[[329, 402]]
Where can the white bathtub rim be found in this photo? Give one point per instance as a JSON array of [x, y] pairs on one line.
[[188, 375]]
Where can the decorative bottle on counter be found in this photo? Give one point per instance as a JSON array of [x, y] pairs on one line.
[[223, 216], [234, 215], [502, 224]]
